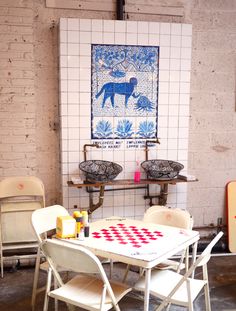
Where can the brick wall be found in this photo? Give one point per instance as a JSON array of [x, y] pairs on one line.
[[29, 140]]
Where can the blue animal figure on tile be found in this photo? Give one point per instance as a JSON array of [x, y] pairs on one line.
[[110, 89]]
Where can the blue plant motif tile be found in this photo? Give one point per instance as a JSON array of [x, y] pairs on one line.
[[124, 86]]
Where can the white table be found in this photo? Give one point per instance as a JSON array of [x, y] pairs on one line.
[[137, 243]]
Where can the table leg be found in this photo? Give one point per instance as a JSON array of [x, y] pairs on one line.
[[194, 255], [147, 289]]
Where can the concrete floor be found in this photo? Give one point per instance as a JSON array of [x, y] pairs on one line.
[[16, 287]]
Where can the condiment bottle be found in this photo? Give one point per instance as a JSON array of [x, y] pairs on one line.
[[137, 172]]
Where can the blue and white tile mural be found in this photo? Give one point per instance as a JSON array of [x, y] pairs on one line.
[[124, 91]]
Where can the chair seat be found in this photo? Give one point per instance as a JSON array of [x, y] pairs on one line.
[[86, 291], [170, 264], [164, 281]]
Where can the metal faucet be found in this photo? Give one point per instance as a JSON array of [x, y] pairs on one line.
[[156, 141], [85, 149]]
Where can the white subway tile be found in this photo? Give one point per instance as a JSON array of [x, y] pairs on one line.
[[165, 52], [175, 29], [85, 25], [63, 24], [154, 28], [120, 26], [131, 38], [73, 24], [73, 133], [120, 37], [63, 36], [165, 28], [174, 64], [186, 29], [108, 38], [85, 37], [73, 37], [108, 26], [73, 73], [73, 86], [97, 25], [63, 49], [184, 87], [186, 53], [164, 40], [97, 37], [143, 27], [175, 52], [73, 98], [73, 61], [73, 121], [185, 64], [153, 39], [73, 110], [73, 49]]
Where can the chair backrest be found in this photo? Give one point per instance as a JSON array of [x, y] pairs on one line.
[[206, 254], [19, 196], [174, 217], [201, 261], [71, 257], [45, 219]]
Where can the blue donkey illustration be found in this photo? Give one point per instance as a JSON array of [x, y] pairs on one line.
[[112, 88]]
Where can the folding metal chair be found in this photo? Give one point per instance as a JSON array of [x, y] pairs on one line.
[[173, 217], [174, 288], [19, 197], [90, 289], [43, 221]]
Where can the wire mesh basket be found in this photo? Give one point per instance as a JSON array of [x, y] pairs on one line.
[[162, 169], [99, 170]]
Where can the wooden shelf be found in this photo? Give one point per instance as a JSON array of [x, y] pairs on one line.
[[162, 196], [128, 182]]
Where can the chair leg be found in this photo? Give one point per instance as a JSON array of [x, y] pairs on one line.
[[35, 282], [49, 280], [1, 265], [126, 273], [55, 300], [1, 252], [207, 297], [111, 268]]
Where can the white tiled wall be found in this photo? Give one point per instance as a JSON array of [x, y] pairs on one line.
[[76, 37]]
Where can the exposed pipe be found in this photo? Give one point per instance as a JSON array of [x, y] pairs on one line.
[[146, 146], [93, 207], [85, 149], [164, 188], [120, 9]]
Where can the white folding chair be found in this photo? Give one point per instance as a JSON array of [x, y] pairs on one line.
[[90, 289], [19, 197], [44, 221], [174, 288], [174, 217]]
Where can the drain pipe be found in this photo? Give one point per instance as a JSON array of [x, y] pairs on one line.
[[120, 9], [164, 188], [92, 206]]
